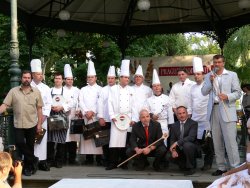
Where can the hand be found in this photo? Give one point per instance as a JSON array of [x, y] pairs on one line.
[[17, 170], [155, 117], [223, 97], [89, 115], [173, 147], [138, 150], [132, 123], [146, 150], [114, 120], [57, 108], [174, 154], [38, 128], [102, 122], [212, 77]]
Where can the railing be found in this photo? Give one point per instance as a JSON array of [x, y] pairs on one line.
[[6, 129]]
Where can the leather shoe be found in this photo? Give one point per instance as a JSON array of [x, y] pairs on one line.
[[27, 172], [43, 166], [206, 167], [218, 172], [189, 172], [110, 167]]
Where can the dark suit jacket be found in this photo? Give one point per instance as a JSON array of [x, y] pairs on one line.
[[138, 136], [190, 132]]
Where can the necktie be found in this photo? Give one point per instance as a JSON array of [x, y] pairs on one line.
[[146, 133], [182, 83], [182, 130]]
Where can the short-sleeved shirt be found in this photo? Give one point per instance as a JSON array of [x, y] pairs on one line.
[[24, 106]]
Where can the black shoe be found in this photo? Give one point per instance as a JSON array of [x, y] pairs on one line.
[[218, 172], [206, 167], [44, 166], [88, 162], [189, 172], [110, 167], [27, 172], [157, 167], [35, 165], [124, 167], [58, 164]]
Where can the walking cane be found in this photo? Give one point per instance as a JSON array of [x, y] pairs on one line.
[[164, 136]]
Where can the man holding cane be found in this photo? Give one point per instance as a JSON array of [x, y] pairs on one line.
[[224, 89]]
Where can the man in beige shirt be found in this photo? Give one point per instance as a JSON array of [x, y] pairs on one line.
[[27, 109]]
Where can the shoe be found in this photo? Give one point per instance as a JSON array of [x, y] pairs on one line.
[[43, 166], [189, 172], [206, 167], [139, 168], [157, 167], [27, 172], [58, 165], [99, 163], [110, 167], [88, 162], [124, 167], [35, 165], [218, 172]]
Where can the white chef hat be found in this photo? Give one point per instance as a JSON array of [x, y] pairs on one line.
[[197, 65], [125, 67], [156, 79], [91, 69], [67, 71], [139, 71], [36, 65], [111, 71]]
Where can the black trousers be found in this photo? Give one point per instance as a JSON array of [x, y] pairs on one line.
[[116, 155], [208, 149], [187, 155], [70, 151], [159, 154], [25, 139], [105, 148], [55, 152]]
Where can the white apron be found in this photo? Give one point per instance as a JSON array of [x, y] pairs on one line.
[[40, 150], [72, 137], [117, 137], [88, 146], [164, 128]]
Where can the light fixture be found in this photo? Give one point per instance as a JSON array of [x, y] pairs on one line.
[[61, 32], [244, 4], [64, 15], [143, 5]]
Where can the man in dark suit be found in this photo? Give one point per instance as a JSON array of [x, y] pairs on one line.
[[144, 133], [183, 134]]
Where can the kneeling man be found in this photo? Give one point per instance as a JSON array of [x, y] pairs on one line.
[[183, 135], [144, 133]]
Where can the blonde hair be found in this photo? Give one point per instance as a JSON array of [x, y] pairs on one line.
[[5, 160]]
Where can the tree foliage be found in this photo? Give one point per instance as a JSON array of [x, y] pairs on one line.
[[237, 53]]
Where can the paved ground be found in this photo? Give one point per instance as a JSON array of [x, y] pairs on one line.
[[200, 178]]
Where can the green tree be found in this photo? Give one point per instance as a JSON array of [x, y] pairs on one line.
[[237, 53]]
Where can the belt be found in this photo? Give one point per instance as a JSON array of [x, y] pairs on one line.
[[216, 103]]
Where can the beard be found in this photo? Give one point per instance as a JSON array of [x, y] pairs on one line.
[[26, 83]]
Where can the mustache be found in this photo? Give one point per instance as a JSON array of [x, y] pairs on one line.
[[26, 83]]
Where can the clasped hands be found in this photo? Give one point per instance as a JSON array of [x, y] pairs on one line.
[[144, 151]]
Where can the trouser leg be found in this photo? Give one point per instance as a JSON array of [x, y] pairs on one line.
[[50, 152], [71, 149], [218, 141], [25, 139]]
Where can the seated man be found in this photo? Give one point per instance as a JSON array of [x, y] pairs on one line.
[[144, 133], [5, 167], [183, 136]]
